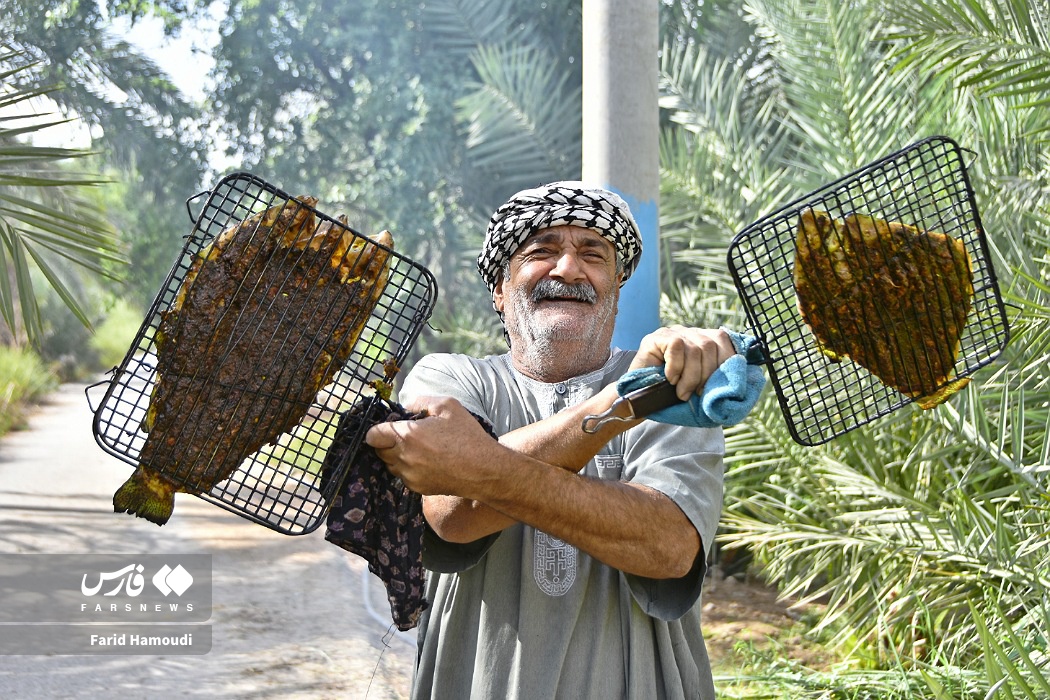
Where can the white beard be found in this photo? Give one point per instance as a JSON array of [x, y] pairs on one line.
[[566, 344]]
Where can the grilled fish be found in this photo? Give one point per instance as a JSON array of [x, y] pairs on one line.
[[890, 297], [266, 315]]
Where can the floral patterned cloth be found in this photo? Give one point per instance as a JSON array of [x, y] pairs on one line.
[[374, 515]]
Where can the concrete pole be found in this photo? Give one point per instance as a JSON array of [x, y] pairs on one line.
[[621, 139]]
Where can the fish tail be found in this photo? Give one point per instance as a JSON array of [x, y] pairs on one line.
[[146, 495]]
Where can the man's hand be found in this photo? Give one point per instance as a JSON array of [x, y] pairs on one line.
[[689, 355], [448, 454], [435, 454]]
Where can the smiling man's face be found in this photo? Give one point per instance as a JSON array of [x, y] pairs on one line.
[[560, 291]]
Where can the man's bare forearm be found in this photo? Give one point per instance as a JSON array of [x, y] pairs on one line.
[[631, 528], [558, 441]]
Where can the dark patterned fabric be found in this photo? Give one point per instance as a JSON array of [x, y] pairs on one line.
[[375, 516], [567, 203]]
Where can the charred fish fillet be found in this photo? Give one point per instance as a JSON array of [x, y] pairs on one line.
[[266, 316], [890, 297]]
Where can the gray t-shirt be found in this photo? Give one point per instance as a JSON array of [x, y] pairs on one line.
[[523, 615]]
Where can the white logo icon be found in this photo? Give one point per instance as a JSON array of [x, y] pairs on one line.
[[130, 575], [169, 580]]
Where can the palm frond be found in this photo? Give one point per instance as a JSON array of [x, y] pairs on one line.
[[720, 162], [1017, 660], [896, 539], [460, 26], [999, 47], [845, 106], [43, 217], [523, 117]]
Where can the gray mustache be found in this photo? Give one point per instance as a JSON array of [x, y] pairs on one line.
[[553, 289]]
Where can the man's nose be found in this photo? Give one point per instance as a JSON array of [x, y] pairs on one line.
[[567, 268]]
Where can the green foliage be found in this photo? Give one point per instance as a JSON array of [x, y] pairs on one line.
[[511, 118], [373, 106], [784, 680], [899, 540], [64, 339], [66, 53], [115, 334], [104, 81], [47, 221], [407, 116], [924, 534], [147, 138], [23, 379], [152, 223], [997, 48]]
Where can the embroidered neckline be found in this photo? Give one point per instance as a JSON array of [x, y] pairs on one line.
[[615, 354]]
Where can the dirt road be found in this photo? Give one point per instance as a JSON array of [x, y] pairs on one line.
[[293, 617]]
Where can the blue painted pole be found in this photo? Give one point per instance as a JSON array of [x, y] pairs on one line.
[[621, 139]]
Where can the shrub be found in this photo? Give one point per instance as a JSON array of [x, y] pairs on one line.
[[23, 379], [113, 336]]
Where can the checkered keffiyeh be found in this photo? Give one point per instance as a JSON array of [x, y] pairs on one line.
[[566, 203]]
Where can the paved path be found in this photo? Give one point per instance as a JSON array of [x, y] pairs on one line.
[[294, 617]]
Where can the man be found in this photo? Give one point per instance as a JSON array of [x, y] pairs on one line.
[[563, 564]]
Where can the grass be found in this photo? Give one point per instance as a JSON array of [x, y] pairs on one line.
[[797, 662], [23, 379], [778, 679]]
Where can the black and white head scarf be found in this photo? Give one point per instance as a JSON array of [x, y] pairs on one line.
[[567, 203]]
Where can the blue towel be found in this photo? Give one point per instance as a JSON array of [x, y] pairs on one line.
[[729, 394]]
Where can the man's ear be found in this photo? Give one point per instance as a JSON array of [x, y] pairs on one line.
[[498, 297]]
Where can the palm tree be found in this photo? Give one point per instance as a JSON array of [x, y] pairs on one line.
[[519, 114], [925, 532], [139, 122], [104, 81], [47, 218], [420, 118]]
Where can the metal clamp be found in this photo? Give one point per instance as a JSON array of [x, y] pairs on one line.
[[639, 403]]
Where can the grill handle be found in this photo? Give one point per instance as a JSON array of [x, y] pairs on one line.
[[189, 211], [94, 388], [638, 403]]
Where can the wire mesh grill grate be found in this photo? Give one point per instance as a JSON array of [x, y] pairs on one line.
[[924, 186], [278, 485]]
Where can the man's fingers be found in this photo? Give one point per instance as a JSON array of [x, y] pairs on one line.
[[702, 359], [381, 436], [689, 355], [385, 436]]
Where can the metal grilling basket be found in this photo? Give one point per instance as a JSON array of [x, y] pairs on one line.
[[925, 187], [279, 485]]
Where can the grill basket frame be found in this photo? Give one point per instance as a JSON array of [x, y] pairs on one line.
[[279, 486], [926, 186]]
